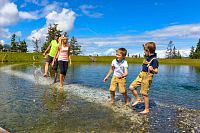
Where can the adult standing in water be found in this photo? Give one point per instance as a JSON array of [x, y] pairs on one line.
[[52, 46], [63, 56]]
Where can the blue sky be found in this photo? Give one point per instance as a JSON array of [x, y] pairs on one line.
[[103, 26]]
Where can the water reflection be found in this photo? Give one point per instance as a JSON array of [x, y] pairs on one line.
[[54, 100], [29, 107]]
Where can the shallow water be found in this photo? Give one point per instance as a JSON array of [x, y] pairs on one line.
[[28, 102]]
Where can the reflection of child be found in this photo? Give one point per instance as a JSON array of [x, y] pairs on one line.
[[144, 79], [120, 68], [63, 56]]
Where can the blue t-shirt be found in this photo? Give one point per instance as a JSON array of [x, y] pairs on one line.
[[154, 62]]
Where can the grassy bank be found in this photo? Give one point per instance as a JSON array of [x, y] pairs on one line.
[[20, 57], [31, 57], [108, 59]]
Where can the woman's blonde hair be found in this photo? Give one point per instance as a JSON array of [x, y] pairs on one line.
[[60, 40]]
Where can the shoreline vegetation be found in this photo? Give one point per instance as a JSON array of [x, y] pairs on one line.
[[37, 57]]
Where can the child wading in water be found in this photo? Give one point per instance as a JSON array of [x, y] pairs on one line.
[[120, 68], [52, 47], [144, 79], [63, 56]]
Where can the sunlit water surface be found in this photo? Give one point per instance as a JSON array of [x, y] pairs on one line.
[[29, 103]]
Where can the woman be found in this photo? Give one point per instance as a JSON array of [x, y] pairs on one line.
[[63, 56]]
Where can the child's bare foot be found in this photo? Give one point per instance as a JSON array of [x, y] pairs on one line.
[[127, 104], [146, 111], [112, 102], [45, 75], [136, 102]]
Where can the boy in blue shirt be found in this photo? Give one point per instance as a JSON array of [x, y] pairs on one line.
[[144, 79]]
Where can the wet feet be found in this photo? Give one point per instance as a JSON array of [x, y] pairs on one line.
[[112, 102], [144, 112], [127, 104], [45, 75], [136, 102]]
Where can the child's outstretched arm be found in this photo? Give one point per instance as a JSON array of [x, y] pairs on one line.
[[108, 75]]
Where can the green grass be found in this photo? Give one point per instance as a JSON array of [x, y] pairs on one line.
[[20, 57], [28, 57], [183, 61]]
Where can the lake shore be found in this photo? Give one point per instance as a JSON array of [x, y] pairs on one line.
[[38, 57]]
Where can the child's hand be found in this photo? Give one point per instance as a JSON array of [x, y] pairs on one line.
[[150, 68], [105, 79]]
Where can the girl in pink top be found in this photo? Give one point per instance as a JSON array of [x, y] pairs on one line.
[[63, 55]]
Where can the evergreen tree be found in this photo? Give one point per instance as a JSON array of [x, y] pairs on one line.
[[6, 47], [169, 49], [36, 44], [192, 52], [195, 53], [13, 42], [23, 46], [1, 46], [75, 47], [198, 47], [174, 52], [52, 32], [178, 54], [65, 34]]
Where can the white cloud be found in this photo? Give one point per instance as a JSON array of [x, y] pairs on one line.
[[3, 2], [38, 34], [38, 2], [8, 14], [2, 42], [5, 33], [183, 52], [86, 10], [178, 31], [28, 15], [55, 6], [65, 19], [183, 36], [110, 51], [18, 34], [113, 40]]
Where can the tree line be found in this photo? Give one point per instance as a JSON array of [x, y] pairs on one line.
[[16, 46], [172, 52], [21, 46], [52, 32], [195, 52]]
